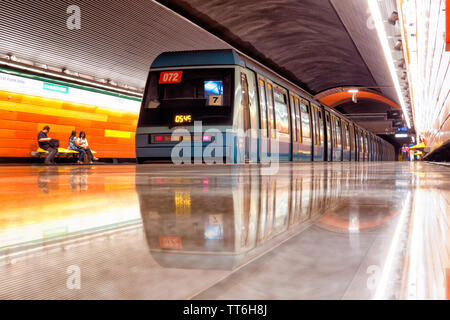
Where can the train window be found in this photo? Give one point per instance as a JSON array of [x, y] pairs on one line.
[[263, 107], [314, 126], [327, 117], [281, 111], [347, 137], [271, 122], [306, 128], [196, 89], [361, 142], [344, 137], [294, 123], [333, 128], [298, 119], [321, 134], [338, 133], [245, 101]]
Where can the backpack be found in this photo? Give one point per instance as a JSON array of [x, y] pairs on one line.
[[54, 143]]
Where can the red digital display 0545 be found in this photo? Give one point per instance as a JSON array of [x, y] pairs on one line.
[[170, 77]]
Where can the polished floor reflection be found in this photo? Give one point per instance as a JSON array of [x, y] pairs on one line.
[[312, 231]]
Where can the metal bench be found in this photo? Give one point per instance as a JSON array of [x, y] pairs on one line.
[[62, 153]]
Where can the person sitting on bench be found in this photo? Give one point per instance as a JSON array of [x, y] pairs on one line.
[[46, 143], [73, 146], [83, 143]]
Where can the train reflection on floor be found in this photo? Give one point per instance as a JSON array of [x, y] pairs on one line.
[[311, 231], [222, 222]]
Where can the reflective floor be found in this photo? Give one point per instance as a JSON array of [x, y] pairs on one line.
[[312, 231]]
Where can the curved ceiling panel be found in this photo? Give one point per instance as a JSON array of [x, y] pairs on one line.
[[304, 40], [338, 98], [118, 39]]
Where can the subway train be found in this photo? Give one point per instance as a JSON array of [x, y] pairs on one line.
[[231, 94]]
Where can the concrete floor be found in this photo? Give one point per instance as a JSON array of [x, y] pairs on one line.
[[312, 231]]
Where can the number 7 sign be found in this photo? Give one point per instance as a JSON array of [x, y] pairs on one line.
[[170, 77]]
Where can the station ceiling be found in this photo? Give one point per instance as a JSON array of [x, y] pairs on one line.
[[318, 44]]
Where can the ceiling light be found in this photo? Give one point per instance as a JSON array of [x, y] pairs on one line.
[[12, 57], [63, 76], [375, 10], [398, 45], [354, 92], [393, 18], [401, 135]]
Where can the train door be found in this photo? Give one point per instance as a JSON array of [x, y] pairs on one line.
[[264, 123], [334, 142], [296, 130], [329, 154], [347, 142], [337, 150], [271, 126], [306, 146], [281, 104], [352, 142], [253, 116], [320, 111], [366, 147], [245, 103], [340, 138], [317, 149], [361, 145], [293, 125]]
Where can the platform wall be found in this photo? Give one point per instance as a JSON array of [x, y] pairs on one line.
[[429, 63], [110, 132]]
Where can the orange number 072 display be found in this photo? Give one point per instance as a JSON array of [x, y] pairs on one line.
[[170, 77]]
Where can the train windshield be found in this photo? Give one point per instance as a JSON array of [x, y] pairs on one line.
[[180, 97]]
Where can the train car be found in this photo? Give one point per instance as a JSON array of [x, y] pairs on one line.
[[248, 112]]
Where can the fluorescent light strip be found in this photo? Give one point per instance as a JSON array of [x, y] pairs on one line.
[[393, 251], [87, 82], [376, 15]]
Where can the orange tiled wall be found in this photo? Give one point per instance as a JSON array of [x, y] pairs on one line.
[[110, 133]]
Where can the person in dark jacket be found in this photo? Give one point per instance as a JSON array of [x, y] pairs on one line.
[[44, 143]]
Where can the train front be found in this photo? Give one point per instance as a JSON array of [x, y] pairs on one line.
[[187, 105]]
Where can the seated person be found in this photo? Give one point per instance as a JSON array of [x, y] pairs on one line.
[[83, 143], [73, 146], [44, 142]]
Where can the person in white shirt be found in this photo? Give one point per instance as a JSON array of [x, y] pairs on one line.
[[83, 143]]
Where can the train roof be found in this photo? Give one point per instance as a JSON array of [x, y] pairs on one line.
[[198, 58]]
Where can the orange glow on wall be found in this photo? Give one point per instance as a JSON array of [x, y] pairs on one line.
[[335, 99], [110, 133]]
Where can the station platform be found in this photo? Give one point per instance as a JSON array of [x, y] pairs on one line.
[[374, 230]]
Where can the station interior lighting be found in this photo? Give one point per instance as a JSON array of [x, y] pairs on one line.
[[354, 92], [393, 18], [379, 25], [401, 135], [11, 62]]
